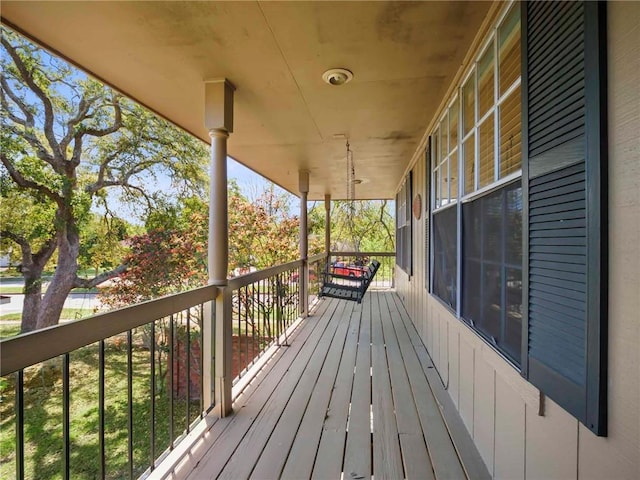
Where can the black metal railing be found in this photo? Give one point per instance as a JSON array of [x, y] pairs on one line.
[[115, 393], [107, 396], [264, 305]]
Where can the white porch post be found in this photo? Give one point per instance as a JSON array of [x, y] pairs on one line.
[[327, 224], [303, 182], [219, 122]]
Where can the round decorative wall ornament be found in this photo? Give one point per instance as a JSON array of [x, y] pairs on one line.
[[417, 206]]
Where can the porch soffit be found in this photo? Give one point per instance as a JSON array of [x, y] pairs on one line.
[[403, 56]]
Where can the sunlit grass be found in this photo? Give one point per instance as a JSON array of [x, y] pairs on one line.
[[43, 414]]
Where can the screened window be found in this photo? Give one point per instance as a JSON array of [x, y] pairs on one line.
[[445, 258], [403, 227], [492, 267]]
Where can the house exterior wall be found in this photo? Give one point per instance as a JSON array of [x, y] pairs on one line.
[[500, 408]]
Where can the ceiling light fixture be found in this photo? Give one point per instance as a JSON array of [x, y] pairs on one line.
[[337, 76]]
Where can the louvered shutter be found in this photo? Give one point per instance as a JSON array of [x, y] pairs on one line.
[[564, 183], [427, 216], [409, 233]]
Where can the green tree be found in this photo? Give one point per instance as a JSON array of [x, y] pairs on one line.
[[66, 140], [361, 225], [172, 255], [102, 242]]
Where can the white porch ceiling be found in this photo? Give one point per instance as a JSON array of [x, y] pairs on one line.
[[403, 56]]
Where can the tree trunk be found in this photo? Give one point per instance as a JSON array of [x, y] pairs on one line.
[[62, 281], [32, 298]]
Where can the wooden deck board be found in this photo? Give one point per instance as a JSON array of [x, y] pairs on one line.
[[357, 455], [349, 398], [328, 462], [444, 458], [306, 369], [303, 451], [387, 459], [304, 414], [239, 424]]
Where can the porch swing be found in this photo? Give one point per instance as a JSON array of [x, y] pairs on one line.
[[350, 286]]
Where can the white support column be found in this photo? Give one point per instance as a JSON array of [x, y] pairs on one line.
[[327, 224], [303, 182], [219, 122]]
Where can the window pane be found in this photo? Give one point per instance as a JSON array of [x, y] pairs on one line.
[[513, 334], [492, 293], [513, 235], [468, 95], [444, 133], [454, 114], [436, 147], [486, 153], [471, 289], [510, 134], [489, 323], [445, 231], [444, 186], [436, 187], [486, 78], [469, 165], [492, 213], [509, 47], [453, 176]]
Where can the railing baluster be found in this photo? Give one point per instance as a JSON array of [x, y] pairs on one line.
[[201, 358], [188, 357], [253, 323], [171, 382], [65, 416], [130, 401], [20, 425], [152, 357], [101, 445]]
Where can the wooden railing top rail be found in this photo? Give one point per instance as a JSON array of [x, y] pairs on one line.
[[29, 349], [249, 278], [351, 254], [316, 257]]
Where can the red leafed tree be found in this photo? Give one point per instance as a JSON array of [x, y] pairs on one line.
[[173, 257]]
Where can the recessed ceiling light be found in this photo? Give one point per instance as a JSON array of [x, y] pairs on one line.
[[337, 76]]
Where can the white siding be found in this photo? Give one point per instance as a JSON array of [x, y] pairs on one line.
[[499, 408]]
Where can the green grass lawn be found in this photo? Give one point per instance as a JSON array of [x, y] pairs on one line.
[[43, 415], [9, 330], [67, 314]]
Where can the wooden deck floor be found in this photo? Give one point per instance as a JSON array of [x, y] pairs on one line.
[[349, 398]]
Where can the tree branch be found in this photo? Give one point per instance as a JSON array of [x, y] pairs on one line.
[[82, 114], [24, 183], [43, 255], [41, 151], [29, 120], [97, 280], [19, 239], [35, 88], [117, 123]]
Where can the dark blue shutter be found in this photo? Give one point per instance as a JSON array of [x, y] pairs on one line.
[[409, 245], [564, 183], [427, 216]]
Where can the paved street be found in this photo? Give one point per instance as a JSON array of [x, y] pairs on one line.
[[74, 300]]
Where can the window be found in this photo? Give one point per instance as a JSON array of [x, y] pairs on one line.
[[404, 226], [492, 267], [445, 260], [526, 237], [477, 218]]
